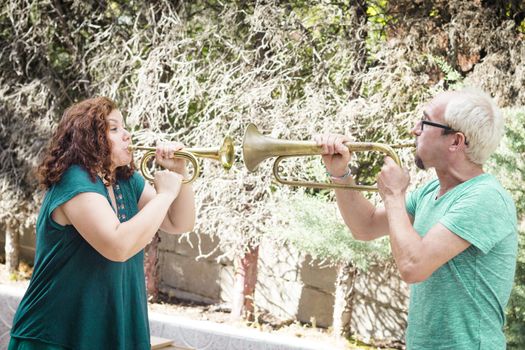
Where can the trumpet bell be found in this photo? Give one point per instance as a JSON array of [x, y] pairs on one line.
[[253, 148], [256, 148], [227, 153]]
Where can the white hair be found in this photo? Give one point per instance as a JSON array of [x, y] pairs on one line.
[[475, 114]]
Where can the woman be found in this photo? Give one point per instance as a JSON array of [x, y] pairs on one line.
[[88, 288]]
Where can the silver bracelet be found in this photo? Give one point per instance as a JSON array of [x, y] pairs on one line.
[[342, 177]]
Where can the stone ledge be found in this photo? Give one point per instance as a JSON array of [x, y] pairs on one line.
[[206, 335]]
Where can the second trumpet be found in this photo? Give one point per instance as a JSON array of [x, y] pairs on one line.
[[225, 154], [257, 147]]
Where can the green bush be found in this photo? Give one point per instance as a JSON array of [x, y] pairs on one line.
[[313, 225], [509, 165]]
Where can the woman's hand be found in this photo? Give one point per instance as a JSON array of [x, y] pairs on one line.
[[336, 155], [168, 182], [164, 157]]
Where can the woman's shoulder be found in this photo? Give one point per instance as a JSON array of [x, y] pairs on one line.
[[75, 179], [76, 175]]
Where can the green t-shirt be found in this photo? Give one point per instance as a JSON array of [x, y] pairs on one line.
[[461, 306], [77, 298]]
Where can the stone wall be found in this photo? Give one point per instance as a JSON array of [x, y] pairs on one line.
[[186, 277], [27, 244], [380, 304], [290, 286]]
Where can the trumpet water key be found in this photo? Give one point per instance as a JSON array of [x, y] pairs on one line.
[[225, 154], [257, 147]]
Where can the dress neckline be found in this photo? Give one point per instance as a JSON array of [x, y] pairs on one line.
[[119, 201]]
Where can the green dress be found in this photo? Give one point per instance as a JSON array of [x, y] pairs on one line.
[[78, 299]]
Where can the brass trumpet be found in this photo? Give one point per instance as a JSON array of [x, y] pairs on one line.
[[257, 147], [225, 154]]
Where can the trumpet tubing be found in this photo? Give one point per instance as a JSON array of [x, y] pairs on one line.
[[225, 154], [257, 147]]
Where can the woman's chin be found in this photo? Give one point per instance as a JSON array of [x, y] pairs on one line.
[[124, 162]]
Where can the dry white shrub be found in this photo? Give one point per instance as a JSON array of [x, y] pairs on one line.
[[197, 72]]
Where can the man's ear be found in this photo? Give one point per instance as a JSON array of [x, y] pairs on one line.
[[455, 142], [459, 139]]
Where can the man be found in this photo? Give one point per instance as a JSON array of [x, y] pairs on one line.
[[454, 239]]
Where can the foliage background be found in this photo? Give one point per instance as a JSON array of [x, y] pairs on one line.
[[196, 71]]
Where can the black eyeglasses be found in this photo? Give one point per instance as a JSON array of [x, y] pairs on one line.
[[442, 126], [437, 125]]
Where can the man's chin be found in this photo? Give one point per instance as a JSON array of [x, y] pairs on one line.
[[419, 163]]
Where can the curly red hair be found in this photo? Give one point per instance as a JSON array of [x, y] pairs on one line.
[[81, 139]]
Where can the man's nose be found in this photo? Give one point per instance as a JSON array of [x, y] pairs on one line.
[[416, 129]]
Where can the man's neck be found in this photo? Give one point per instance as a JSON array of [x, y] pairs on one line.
[[457, 174]]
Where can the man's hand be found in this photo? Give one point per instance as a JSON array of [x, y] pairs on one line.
[[392, 180], [336, 155]]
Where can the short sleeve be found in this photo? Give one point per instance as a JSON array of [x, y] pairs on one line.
[[74, 181], [410, 203], [482, 216]]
